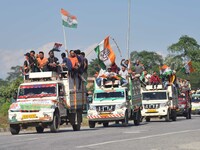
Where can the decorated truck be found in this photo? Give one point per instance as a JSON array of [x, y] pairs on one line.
[[117, 104], [46, 100], [160, 103], [196, 102], [184, 102]]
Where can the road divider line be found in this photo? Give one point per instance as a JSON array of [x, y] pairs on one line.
[[139, 138]]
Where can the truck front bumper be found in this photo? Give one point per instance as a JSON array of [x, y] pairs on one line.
[[154, 112], [30, 117]]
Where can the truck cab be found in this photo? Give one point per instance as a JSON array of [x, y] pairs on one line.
[[119, 104], [47, 101], [160, 103]]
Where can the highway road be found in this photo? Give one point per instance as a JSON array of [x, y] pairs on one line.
[[155, 135]]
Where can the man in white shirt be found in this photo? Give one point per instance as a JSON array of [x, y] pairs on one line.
[[124, 74]]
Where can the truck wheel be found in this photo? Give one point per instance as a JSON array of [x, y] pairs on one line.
[[174, 115], [91, 124], [105, 124], [76, 127], [14, 129], [54, 127], [125, 120], [148, 119], [39, 129], [138, 118], [167, 117]]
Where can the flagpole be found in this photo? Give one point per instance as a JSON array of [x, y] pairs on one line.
[[65, 40], [128, 31]]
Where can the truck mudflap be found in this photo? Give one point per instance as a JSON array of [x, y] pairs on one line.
[[106, 116]]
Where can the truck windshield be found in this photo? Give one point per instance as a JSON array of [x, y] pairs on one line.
[[110, 95], [195, 99], [34, 91], [154, 96]]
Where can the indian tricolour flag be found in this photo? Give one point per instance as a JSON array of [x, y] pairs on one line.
[[188, 67], [68, 20], [105, 53]]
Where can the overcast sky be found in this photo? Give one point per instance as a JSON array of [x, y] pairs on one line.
[[36, 24]]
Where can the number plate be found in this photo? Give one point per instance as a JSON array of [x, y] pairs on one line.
[[152, 111], [29, 116]]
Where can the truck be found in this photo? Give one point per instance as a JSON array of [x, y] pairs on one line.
[[196, 103], [115, 104], [184, 102], [159, 103], [48, 100]]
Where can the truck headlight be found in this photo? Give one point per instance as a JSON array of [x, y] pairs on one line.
[[92, 107], [182, 106], [165, 104], [120, 106]]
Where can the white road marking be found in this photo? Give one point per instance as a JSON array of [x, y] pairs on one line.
[[139, 138]]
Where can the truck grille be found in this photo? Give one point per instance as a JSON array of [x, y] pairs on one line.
[[108, 108], [151, 106]]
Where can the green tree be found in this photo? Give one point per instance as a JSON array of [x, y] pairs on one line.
[[186, 46], [15, 73], [93, 67], [150, 59]]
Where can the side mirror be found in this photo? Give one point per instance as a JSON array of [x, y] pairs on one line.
[[61, 93], [89, 98], [129, 97]]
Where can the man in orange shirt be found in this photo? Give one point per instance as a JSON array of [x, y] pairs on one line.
[[74, 60], [42, 62]]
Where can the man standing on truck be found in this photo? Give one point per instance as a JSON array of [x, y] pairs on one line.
[[124, 74], [138, 67]]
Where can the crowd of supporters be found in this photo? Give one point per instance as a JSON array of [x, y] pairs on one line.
[[74, 62]]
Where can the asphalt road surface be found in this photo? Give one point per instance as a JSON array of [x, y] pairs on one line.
[[155, 135]]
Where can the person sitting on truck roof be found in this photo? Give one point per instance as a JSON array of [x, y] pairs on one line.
[[154, 80], [110, 76], [114, 68], [53, 62], [99, 77], [124, 74], [42, 62]]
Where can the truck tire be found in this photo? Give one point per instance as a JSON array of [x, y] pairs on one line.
[[148, 119], [14, 129], [125, 120], [39, 129], [54, 127], [76, 127], [173, 115], [91, 124], [106, 124], [167, 117], [138, 118]]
